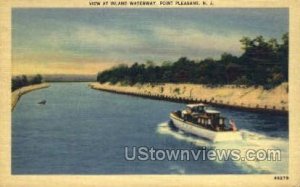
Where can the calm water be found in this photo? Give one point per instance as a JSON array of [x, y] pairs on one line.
[[84, 131]]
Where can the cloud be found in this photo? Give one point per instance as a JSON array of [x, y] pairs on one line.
[[104, 37], [61, 67], [83, 45], [91, 39], [72, 39], [193, 40]]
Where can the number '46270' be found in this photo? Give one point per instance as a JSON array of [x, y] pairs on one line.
[[281, 178]]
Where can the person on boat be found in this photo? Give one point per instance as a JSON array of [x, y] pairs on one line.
[[183, 114], [232, 125]]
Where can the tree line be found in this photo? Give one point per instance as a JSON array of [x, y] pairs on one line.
[[23, 80], [261, 63]]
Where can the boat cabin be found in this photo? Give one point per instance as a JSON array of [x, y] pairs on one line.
[[200, 115], [196, 108]]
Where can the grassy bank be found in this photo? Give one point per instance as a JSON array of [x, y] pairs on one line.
[[256, 98], [16, 95]]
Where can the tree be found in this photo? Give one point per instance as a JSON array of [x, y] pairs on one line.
[[20, 81], [262, 63], [24, 81], [36, 79], [233, 72]]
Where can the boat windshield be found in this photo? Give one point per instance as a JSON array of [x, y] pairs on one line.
[[197, 109]]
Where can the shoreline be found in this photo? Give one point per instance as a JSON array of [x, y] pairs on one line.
[[253, 99], [17, 94]]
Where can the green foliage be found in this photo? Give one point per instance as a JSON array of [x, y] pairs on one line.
[[36, 79], [20, 81], [262, 63]]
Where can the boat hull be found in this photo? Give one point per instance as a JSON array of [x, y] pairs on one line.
[[214, 136]]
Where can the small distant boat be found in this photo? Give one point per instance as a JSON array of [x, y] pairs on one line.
[[43, 102], [209, 124]]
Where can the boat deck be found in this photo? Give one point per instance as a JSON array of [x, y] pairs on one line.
[[192, 120]]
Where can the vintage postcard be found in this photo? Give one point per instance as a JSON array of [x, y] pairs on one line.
[[149, 93]]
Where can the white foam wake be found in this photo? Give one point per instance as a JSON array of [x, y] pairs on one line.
[[164, 128], [251, 140], [175, 169]]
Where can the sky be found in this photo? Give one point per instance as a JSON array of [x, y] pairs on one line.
[[86, 41]]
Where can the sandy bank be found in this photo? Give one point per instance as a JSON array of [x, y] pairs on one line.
[[244, 97], [16, 95]]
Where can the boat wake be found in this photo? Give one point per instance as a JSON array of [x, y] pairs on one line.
[[166, 128], [251, 141], [175, 169]]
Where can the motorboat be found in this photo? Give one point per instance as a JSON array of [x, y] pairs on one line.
[[43, 102], [201, 121]]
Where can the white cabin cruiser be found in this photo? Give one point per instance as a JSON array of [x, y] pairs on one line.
[[197, 119]]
